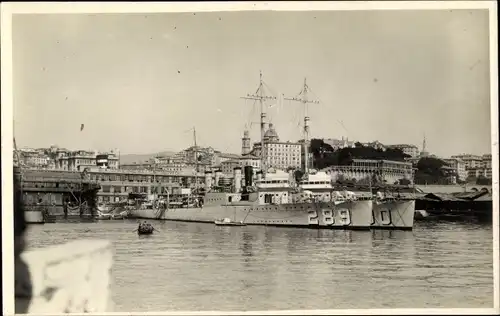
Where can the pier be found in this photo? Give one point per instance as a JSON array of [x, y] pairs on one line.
[[50, 194], [70, 278], [74, 277], [454, 200]]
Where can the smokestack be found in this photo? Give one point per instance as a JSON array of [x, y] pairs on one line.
[[259, 175], [291, 176], [208, 180], [237, 179], [218, 173], [248, 176]]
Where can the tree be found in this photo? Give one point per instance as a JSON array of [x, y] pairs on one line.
[[404, 181], [340, 178], [471, 179], [298, 174], [430, 171], [482, 180], [365, 180]]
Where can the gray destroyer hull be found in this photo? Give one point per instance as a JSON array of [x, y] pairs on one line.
[[346, 215]]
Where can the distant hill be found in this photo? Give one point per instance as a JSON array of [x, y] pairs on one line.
[[140, 158]]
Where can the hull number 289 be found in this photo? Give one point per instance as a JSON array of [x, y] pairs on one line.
[[329, 217]]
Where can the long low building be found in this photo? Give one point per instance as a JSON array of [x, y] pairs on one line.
[[116, 184], [360, 169]]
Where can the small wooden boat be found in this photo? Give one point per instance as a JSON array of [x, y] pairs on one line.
[[117, 216], [103, 216], [104, 208], [228, 222], [145, 229]]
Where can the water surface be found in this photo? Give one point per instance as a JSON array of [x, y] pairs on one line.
[[194, 266]]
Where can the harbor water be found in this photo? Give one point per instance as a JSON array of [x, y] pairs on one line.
[[196, 266]]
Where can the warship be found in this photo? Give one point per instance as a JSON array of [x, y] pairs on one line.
[[273, 199]]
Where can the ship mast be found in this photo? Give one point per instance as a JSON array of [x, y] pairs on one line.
[[20, 170], [154, 178], [303, 98], [259, 96], [196, 160]]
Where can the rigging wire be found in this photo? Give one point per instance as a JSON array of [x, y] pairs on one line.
[[321, 101]]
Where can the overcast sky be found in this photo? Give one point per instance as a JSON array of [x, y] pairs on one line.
[[140, 82]]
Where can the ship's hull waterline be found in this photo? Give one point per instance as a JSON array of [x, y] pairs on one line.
[[347, 215]]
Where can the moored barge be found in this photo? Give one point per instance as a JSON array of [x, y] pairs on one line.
[[50, 195]]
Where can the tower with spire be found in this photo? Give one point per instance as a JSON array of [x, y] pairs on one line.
[[424, 152], [245, 143]]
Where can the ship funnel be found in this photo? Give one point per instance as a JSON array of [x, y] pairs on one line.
[[291, 176], [237, 179], [248, 176], [217, 177], [259, 175], [208, 180]]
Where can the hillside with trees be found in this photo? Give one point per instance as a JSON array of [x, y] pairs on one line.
[[430, 170]]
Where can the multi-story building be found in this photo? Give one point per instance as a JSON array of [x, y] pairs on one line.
[[116, 184], [407, 149], [36, 159], [227, 166], [364, 169], [477, 166], [221, 157], [172, 164], [78, 160], [480, 172], [277, 154], [471, 161], [488, 173], [487, 161], [458, 168], [250, 160], [33, 158]]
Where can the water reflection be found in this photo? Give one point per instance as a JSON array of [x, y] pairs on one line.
[[190, 266]]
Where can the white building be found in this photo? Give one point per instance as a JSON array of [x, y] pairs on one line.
[[277, 154], [458, 166], [364, 169], [250, 160], [173, 164], [476, 165], [471, 161], [487, 161], [228, 166], [75, 160]]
